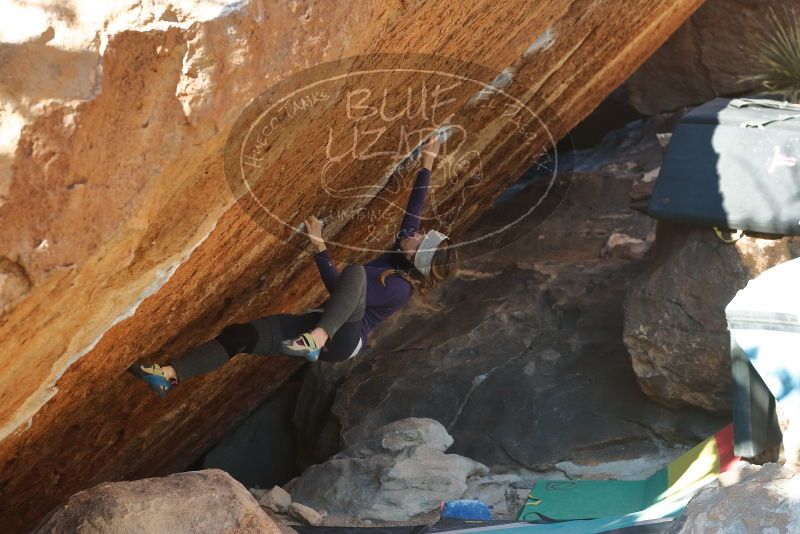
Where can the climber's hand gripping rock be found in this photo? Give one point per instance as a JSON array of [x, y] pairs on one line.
[[314, 231]]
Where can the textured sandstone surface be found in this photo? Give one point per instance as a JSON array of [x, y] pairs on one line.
[[196, 502], [763, 499], [120, 238], [675, 326], [706, 57]]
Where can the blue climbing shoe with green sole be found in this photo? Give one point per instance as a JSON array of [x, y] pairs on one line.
[[153, 375]]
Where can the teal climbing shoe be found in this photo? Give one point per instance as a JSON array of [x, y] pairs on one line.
[[303, 345], [154, 376]]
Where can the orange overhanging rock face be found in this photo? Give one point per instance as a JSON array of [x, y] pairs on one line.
[[145, 205]]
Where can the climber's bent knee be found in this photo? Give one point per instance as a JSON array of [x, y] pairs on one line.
[[238, 338], [354, 270]]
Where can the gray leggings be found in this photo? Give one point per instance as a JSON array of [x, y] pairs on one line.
[[341, 318]]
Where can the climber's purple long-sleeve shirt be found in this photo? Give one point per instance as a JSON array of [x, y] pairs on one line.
[[384, 301]]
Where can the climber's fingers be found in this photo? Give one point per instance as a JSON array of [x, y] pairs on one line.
[[313, 228], [431, 146]]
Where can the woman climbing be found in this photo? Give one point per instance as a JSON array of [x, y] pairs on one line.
[[361, 297]]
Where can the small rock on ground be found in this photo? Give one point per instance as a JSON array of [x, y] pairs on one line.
[[305, 514], [277, 499]]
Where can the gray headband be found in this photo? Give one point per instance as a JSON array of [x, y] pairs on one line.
[[427, 248]]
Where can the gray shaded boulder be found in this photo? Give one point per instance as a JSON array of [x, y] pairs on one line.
[[399, 473], [704, 58], [413, 431], [196, 502], [675, 326], [765, 499]]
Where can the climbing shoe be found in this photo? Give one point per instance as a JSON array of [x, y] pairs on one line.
[[303, 345], [154, 376]]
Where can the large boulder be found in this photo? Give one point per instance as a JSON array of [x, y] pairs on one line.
[[763, 499], [675, 326], [705, 58], [399, 473], [120, 238], [525, 365], [195, 502]]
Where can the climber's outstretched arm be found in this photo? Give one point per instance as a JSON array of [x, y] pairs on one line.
[[416, 203], [416, 200], [327, 270]]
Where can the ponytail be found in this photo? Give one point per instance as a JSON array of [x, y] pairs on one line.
[[390, 272], [419, 284], [443, 259]]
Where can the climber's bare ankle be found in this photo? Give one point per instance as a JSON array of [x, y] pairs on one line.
[[319, 335], [169, 372]]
